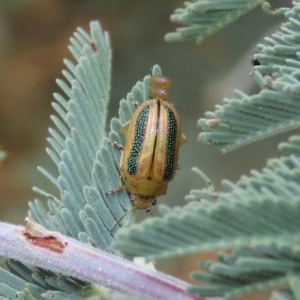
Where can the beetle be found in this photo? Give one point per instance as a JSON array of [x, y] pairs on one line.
[[153, 136]]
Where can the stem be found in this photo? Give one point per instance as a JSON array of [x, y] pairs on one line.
[[37, 246]]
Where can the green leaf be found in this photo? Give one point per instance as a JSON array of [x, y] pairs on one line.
[[294, 282], [202, 18], [244, 119], [258, 209], [80, 149], [33, 283], [260, 212], [292, 146], [74, 144], [201, 227], [282, 295], [247, 270], [86, 161]]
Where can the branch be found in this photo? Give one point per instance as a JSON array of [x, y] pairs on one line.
[[35, 245]]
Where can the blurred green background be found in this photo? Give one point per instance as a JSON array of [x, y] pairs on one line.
[[34, 36]]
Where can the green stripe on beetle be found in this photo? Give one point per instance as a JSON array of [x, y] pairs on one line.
[[153, 137], [138, 140], [171, 164]]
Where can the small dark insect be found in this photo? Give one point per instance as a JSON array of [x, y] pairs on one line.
[[253, 58]]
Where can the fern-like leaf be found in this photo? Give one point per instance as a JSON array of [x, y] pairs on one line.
[[75, 142], [245, 119], [258, 209], [83, 155], [21, 282], [261, 212], [282, 294], [248, 270], [202, 18], [86, 161], [259, 216], [250, 213]]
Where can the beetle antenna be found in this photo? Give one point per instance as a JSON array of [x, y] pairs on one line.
[[118, 224]]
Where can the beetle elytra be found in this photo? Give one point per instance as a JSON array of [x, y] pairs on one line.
[[153, 137]]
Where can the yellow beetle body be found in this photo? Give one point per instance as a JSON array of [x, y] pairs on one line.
[[150, 156]]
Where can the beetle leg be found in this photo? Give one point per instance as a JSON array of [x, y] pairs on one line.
[[118, 189], [135, 104], [119, 222], [183, 139], [118, 146], [114, 191]]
